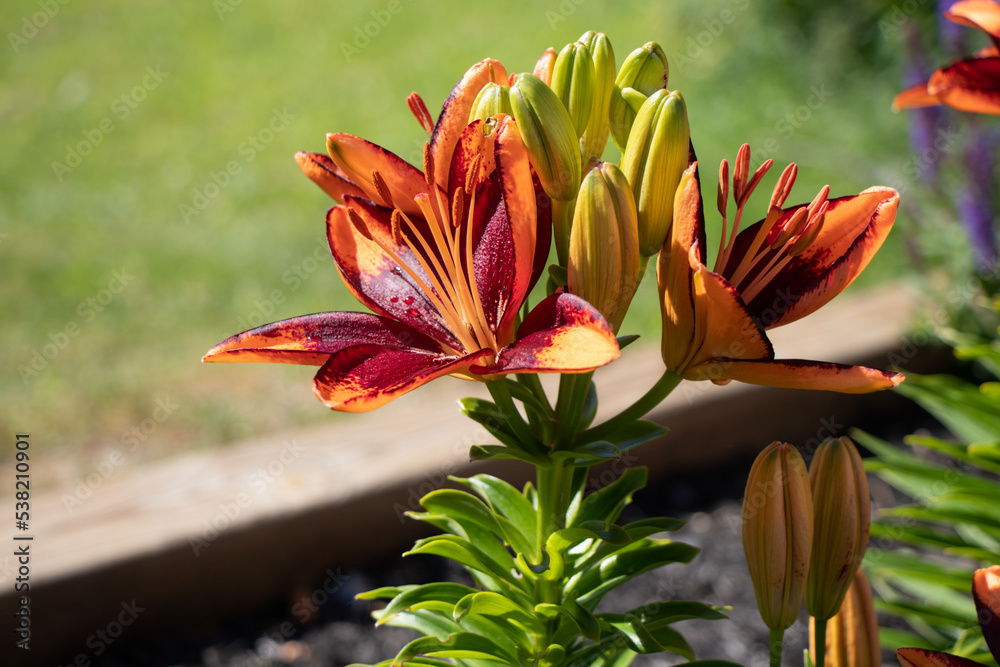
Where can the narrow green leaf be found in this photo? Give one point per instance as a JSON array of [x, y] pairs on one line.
[[606, 504], [413, 598], [383, 593], [634, 559], [493, 604], [508, 503], [458, 645]]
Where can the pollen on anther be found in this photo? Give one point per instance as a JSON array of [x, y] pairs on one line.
[[382, 189], [457, 206], [472, 175], [359, 223], [396, 223]]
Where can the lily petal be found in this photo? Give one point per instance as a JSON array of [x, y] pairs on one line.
[[914, 97], [798, 374], [920, 657], [455, 114], [674, 266], [969, 85], [723, 327], [375, 278], [311, 339], [365, 377], [854, 230], [986, 592], [357, 158], [562, 334], [980, 14], [324, 172]]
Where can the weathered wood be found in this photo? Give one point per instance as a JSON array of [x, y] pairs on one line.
[[194, 538]]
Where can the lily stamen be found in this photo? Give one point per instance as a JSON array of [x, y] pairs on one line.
[[420, 112]]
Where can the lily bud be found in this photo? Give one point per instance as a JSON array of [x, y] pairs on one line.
[[543, 68], [573, 82], [842, 519], [595, 136], [494, 98], [548, 134], [986, 593], [852, 634], [778, 532], [604, 243], [654, 160], [644, 70]]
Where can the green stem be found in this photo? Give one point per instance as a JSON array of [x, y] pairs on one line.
[[659, 391], [572, 394], [531, 381], [501, 395], [819, 656], [774, 650]]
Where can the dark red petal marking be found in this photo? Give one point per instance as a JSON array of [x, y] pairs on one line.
[[311, 339], [969, 85], [375, 278], [562, 334], [365, 377]]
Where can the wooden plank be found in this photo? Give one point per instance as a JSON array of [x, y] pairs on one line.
[[241, 525]]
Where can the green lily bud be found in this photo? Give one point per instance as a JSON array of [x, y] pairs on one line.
[[842, 519], [548, 134], [494, 98], [654, 160], [645, 70], [573, 82], [595, 136], [778, 532], [604, 243]]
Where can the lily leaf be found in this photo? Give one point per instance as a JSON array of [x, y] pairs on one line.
[[607, 503], [515, 514], [413, 598], [458, 645]]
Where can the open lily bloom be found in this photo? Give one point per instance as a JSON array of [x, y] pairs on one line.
[[986, 593], [971, 84], [444, 258], [774, 272]]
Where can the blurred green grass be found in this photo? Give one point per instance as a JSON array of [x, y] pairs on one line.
[[195, 279]]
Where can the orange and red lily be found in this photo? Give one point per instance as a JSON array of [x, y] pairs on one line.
[[971, 84], [444, 258], [986, 593], [774, 272]]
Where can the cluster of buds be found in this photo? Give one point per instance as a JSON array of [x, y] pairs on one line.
[[804, 537], [607, 219]]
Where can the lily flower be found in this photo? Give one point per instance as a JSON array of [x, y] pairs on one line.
[[971, 84], [444, 259], [986, 593], [774, 272]]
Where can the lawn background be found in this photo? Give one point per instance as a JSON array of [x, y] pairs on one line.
[[253, 250]]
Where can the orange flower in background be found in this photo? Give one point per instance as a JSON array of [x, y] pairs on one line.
[[444, 258], [986, 593], [971, 84], [774, 272]]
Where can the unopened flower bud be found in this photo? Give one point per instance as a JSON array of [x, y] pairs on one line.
[[842, 520], [494, 98], [543, 68], [547, 130], [573, 83], [595, 136], [604, 243], [852, 634], [778, 532], [644, 70], [654, 159], [986, 593]]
